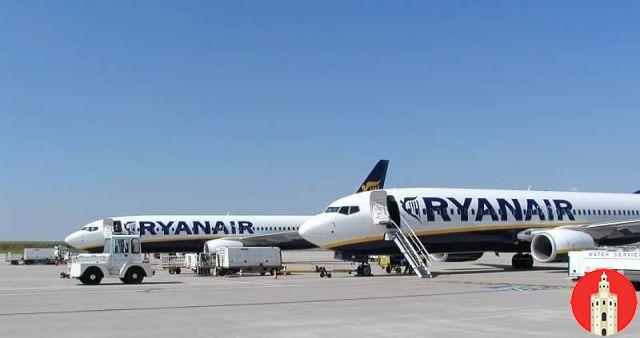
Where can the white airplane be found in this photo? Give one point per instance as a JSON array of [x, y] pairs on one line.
[[184, 233], [462, 224]]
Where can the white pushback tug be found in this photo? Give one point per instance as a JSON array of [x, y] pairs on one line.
[[122, 258]]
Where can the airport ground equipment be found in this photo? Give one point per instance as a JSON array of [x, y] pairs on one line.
[[624, 259], [173, 262], [122, 258], [201, 263], [34, 256], [409, 244], [229, 260], [323, 272], [391, 263]]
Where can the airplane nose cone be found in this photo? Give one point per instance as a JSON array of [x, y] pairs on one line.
[[315, 230], [74, 240]]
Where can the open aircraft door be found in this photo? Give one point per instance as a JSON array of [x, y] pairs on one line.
[[379, 209]]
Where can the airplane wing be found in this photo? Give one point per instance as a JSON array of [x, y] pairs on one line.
[[273, 239], [596, 230], [630, 225]]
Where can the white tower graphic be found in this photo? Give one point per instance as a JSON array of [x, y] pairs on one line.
[[604, 310]]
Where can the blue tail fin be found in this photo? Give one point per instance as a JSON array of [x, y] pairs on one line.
[[637, 192], [376, 178]]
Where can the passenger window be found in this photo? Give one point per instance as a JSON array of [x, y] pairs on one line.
[[353, 210], [344, 210]]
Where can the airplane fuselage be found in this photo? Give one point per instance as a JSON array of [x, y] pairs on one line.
[[181, 233], [464, 220]]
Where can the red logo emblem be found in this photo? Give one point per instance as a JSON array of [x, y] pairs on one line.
[[604, 302]]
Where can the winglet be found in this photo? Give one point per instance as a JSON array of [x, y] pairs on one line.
[[375, 180]]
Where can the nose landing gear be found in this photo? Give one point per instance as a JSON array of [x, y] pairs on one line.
[[522, 261], [363, 269]]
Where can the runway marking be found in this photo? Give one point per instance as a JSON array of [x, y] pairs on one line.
[[236, 286], [515, 286], [204, 306]]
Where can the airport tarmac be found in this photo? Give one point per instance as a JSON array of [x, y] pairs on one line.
[[485, 298]]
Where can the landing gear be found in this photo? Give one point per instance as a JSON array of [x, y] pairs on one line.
[[363, 269], [522, 261]]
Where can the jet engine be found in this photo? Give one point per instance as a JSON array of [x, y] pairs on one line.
[[210, 246], [553, 245], [456, 257]]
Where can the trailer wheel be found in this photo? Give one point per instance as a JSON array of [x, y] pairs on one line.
[[328, 274], [262, 273], [135, 275], [91, 276], [178, 271]]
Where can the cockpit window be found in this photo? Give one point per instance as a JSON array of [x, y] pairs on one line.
[[345, 210]]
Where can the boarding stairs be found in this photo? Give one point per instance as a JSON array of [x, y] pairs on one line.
[[411, 247], [409, 244]]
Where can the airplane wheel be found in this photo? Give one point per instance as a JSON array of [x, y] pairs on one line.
[[516, 262], [178, 271], [388, 269], [522, 261], [366, 270], [359, 270], [527, 261]]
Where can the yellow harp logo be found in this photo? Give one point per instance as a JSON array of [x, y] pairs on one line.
[[375, 185]]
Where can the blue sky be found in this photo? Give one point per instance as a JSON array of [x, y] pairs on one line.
[[118, 107]]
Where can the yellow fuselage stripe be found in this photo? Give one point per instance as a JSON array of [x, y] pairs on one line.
[[453, 230]]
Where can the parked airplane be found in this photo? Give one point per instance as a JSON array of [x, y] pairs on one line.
[[461, 224], [184, 233]]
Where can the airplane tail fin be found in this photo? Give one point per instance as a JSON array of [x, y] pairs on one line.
[[376, 178], [637, 192]]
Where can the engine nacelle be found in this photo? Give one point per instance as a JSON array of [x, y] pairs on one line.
[[553, 245], [456, 257], [210, 246]]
